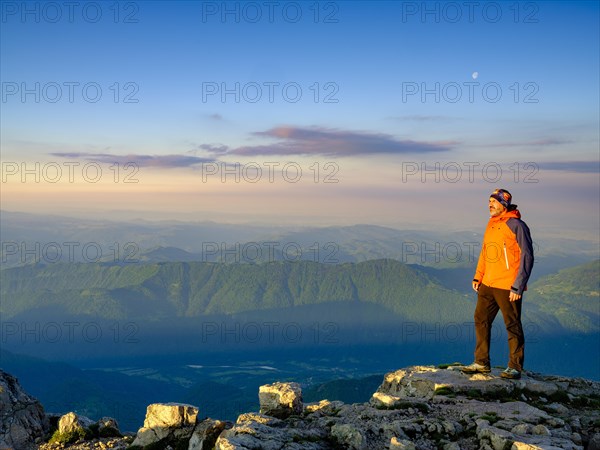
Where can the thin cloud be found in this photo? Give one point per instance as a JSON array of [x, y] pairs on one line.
[[571, 166], [161, 161], [418, 118], [331, 142], [534, 143], [214, 148]]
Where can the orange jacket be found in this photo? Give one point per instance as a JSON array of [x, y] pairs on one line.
[[506, 257]]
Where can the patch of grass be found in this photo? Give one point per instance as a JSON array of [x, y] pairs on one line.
[[491, 416], [504, 395], [586, 402], [592, 401], [437, 437], [70, 437], [52, 429], [467, 433], [474, 394], [444, 390], [559, 397]]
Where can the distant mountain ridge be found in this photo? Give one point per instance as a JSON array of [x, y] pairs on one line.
[[159, 290], [571, 296], [29, 238], [564, 302]]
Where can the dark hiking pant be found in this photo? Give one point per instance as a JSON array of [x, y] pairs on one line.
[[489, 301]]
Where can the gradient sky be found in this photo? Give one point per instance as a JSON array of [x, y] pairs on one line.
[[360, 96]]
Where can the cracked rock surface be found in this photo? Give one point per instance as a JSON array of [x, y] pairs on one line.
[[22, 418], [419, 407]]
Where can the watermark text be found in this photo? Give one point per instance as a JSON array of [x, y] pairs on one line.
[[70, 12], [269, 92], [470, 12], [67, 172], [69, 332], [69, 92], [68, 252], [270, 12], [469, 171]]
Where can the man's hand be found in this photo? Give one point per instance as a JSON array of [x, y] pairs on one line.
[[513, 296], [476, 286]]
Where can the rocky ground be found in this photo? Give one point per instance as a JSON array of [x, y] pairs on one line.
[[419, 407], [22, 418]]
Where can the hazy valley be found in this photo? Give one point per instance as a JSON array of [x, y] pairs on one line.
[[169, 322]]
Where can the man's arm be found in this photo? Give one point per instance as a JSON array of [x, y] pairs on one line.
[[479, 271], [523, 237]]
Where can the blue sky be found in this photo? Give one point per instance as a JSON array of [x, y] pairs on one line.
[[361, 68]]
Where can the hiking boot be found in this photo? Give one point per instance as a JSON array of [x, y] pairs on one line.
[[510, 373], [476, 368]]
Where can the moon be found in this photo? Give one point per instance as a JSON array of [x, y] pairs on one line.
[[475, 75]]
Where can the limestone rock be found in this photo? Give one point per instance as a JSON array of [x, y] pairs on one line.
[[22, 418], [594, 443], [498, 439], [419, 407], [167, 423], [422, 382], [280, 400], [557, 407], [108, 427], [170, 415], [401, 444], [323, 407], [71, 422], [451, 446], [522, 429], [206, 433], [263, 432], [348, 436], [540, 430]]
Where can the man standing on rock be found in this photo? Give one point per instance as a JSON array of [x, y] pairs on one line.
[[503, 269]]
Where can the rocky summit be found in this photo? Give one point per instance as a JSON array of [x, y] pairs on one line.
[[22, 418], [419, 407]]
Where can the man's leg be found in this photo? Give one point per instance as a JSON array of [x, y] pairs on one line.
[[485, 313], [511, 312]]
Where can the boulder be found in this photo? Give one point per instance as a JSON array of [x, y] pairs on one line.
[[263, 432], [417, 407], [594, 443], [280, 400], [323, 407], [206, 433], [108, 427], [425, 382], [73, 423], [401, 444], [167, 424], [497, 438], [22, 418], [348, 437]]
